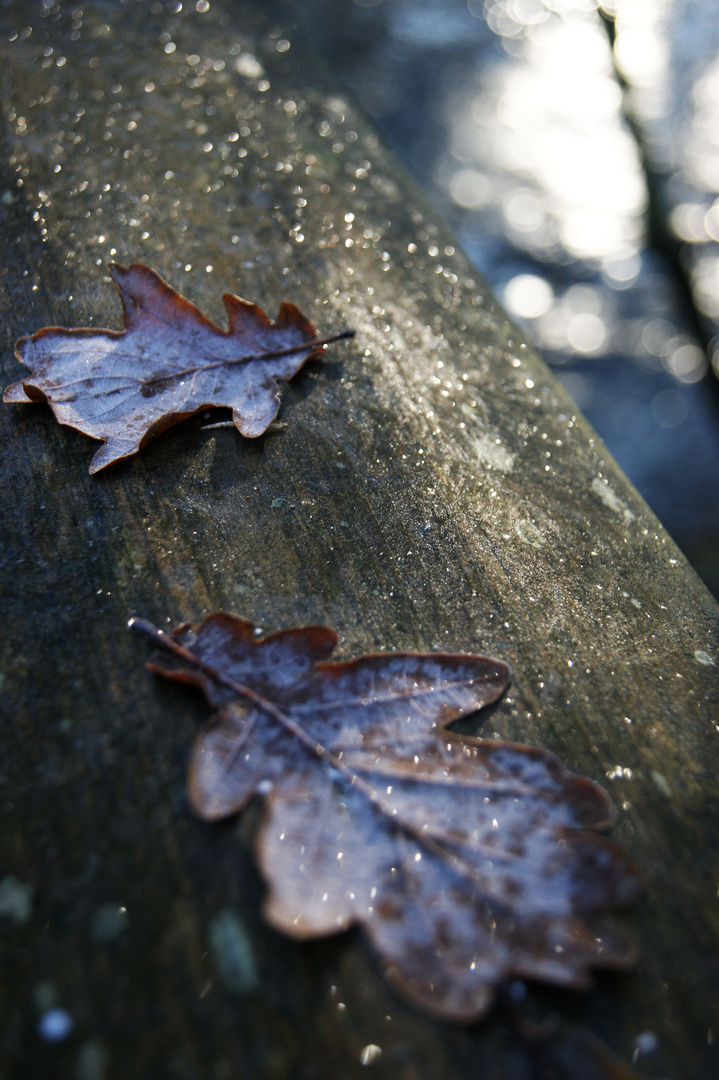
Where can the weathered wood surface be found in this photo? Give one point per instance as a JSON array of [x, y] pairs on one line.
[[433, 487]]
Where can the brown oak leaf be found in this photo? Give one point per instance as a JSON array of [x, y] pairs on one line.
[[126, 387], [467, 861]]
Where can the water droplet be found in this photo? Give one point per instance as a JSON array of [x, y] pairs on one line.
[[55, 1025], [370, 1054]]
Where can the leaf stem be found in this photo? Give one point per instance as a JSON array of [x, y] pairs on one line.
[[270, 354]]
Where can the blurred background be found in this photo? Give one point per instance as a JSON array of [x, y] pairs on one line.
[[574, 147]]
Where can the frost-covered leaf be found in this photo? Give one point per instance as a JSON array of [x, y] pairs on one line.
[[125, 387], [467, 861]]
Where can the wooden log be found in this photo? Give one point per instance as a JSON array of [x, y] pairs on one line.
[[433, 487]]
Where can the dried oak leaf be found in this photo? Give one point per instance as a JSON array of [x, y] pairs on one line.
[[170, 361], [467, 861]]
